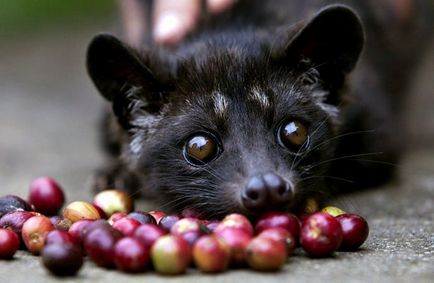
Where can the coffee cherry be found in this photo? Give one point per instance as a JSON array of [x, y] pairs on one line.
[[211, 254], [9, 243], [355, 231], [130, 255], [333, 210], [211, 225], [311, 205], [142, 217], [76, 229], [10, 203], [46, 196], [148, 234], [171, 255], [321, 234], [237, 241], [60, 223], [115, 217], [235, 220], [92, 225], [264, 253], [283, 220], [166, 222], [15, 220], [79, 210], [62, 259], [126, 225], [157, 215], [190, 229], [34, 231], [100, 211], [60, 237], [280, 234], [99, 245], [111, 201]]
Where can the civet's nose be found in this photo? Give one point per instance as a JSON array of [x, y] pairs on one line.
[[266, 192]]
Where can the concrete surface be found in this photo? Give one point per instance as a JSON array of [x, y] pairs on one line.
[[48, 111]]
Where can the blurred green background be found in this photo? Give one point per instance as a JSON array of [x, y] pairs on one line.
[[18, 16]]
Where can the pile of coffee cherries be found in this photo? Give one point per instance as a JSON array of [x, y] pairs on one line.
[[112, 235]]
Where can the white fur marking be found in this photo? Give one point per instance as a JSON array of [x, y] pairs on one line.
[[220, 103], [320, 97], [136, 145], [146, 128], [258, 96]]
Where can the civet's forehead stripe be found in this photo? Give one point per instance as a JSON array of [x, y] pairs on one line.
[[221, 103], [260, 97]]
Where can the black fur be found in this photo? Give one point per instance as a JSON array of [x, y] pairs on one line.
[[163, 97]]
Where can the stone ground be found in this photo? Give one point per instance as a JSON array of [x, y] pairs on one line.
[[48, 113]]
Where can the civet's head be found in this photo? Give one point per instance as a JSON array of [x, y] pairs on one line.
[[233, 124]]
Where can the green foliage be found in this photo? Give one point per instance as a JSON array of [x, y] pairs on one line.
[[31, 14]]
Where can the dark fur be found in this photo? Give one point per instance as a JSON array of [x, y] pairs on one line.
[[162, 97]]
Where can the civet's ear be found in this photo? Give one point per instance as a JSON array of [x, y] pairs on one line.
[[331, 41], [123, 77], [112, 65]]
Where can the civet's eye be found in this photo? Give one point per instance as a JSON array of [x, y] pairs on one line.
[[201, 149], [293, 135]]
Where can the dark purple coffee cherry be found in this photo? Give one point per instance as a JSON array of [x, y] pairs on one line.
[[99, 245], [46, 196], [148, 234], [11, 203], [142, 217], [62, 259], [321, 234], [166, 222], [9, 243], [355, 231], [131, 255]]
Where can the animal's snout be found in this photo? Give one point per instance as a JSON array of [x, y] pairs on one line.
[[266, 192]]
